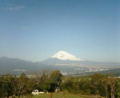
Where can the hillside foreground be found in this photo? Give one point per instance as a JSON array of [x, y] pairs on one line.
[[62, 95], [68, 95]]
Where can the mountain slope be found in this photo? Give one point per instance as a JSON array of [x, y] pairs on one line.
[[63, 61]]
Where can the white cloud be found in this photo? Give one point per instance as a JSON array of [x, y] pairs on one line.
[[12, 7], [15, 8]]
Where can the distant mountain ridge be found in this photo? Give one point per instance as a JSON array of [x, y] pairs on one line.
[[63, 61]]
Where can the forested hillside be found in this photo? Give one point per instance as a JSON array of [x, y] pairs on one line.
[[104, 85]]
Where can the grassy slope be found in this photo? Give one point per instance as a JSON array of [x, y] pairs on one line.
[[64, 95]]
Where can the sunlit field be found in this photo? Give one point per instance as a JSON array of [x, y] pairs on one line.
[[59, 95], [62, 95]]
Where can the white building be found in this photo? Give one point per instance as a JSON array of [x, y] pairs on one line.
[[36, 92]]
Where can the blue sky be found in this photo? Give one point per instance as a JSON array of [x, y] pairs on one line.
[[36, 29]]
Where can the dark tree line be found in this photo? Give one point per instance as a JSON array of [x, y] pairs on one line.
[[107, 86], [11, 86], [98, 84]]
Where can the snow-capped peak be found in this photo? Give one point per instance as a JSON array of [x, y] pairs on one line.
[[62, 55]]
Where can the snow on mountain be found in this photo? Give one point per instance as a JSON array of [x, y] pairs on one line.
[[62, 55]]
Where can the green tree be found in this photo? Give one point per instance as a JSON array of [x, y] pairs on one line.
[[117, 89], [24, 85], [55, 79], [6, 86]]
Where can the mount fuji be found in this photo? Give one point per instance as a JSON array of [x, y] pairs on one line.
[[62, 55], [71, 64], [62, 60]]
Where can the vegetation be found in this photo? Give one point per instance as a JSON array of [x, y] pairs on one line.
[[63, 95], [106, 86]]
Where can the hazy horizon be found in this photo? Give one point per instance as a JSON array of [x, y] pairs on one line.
[[35, 30]]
